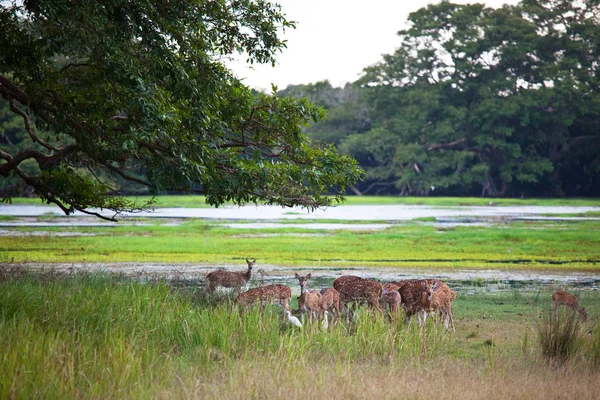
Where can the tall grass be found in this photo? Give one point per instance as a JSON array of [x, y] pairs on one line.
[[560, 334], [98, 336]]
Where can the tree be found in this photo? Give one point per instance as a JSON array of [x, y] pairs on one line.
[[137, 91], [499, 99], [346, 113]]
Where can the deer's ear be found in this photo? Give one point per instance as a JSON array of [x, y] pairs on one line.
[[308, 276], [423, 283], [436, 286], [247, 260], [254, 261], [297, 276]]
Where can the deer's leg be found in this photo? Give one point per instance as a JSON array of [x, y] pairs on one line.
[[451, 319], [346, 308]]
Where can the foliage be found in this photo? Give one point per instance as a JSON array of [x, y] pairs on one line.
[[498, 99], [112, 91], [477, 101], [346, 113]]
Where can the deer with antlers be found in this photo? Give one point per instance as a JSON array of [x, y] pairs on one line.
[[309, 301], [229, 279], [564, 298], [266, 294], [354, 289]]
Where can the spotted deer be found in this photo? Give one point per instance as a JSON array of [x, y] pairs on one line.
[[354, 289], [229, 279], [564, 298], [266, 294], [426, 297], [391, 297], [309, 301], [330, 301]]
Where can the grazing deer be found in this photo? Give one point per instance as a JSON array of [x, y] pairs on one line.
[[563, 298], [330, 301], [229, 279], [354, 289], [309, 301], [266, 294], [391, 297]]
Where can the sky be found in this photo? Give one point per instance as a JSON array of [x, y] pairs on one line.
[[335, 39]]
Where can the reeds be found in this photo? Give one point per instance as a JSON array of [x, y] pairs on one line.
[[105, 336], [560, 334], [86, 336]]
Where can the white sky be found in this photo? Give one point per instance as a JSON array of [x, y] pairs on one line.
[[335, 39]]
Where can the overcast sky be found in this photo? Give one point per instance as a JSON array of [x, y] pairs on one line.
[[335, 39]]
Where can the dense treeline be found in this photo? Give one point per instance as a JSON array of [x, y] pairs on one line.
[[475, 101]]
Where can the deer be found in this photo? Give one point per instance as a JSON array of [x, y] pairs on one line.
[[403, 282], [266, 294], [564, 298], [229, 279], [354, 289], [330, 301], [427, 297], [391, 297], [309, 301]]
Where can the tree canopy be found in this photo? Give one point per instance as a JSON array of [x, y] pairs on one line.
[[498, 99], [479, 101], [126, 91]]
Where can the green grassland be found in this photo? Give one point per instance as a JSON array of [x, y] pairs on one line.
[[101, 336], [573, 245]]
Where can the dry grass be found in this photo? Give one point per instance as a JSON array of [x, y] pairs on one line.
[[436, 380]]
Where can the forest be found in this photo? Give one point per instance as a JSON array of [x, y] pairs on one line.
[[475, 101]]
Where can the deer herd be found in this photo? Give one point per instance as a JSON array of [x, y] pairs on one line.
[[420, 297]]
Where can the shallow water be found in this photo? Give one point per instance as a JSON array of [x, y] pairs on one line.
[[346, 212], [462, 281]]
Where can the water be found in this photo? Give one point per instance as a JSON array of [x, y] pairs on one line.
[[466, 281], [346, 212], [460, 280]]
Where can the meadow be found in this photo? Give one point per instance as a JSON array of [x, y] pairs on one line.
[[99, 335]]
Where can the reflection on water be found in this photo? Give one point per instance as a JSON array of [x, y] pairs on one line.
[[462, 281]]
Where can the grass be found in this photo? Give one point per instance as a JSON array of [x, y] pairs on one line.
[[520, 245], [193, 201], [560, 334], [104, 336]]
